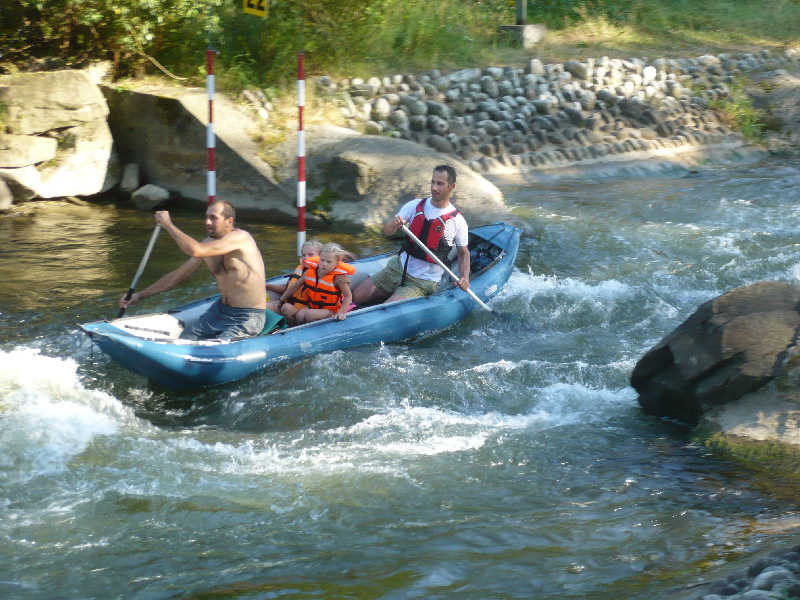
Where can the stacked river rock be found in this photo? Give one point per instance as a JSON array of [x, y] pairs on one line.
[[772, 577], [546, 115]]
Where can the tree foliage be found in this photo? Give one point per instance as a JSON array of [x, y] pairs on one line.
[[339, 34], [75, 30]]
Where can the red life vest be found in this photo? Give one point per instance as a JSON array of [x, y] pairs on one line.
[[323, 293], [430, 232]]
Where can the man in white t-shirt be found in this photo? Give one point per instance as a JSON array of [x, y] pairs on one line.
[[439, 225]]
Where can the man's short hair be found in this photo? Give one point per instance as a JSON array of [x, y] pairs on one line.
[[228, 212], [451, 172]]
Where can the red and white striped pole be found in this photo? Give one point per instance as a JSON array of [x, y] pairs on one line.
[[210, 139], [301, 155]]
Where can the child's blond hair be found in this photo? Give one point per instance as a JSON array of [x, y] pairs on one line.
[[316, 244], [335, 249]]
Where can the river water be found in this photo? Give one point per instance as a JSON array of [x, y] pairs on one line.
[[505, 457]]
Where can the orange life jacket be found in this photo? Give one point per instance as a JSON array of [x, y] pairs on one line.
[[323, 293], [298, 299]]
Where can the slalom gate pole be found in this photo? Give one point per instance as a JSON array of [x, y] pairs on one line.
[[301, 154], [210, 139]]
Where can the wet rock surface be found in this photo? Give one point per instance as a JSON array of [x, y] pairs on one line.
[[771, 576]]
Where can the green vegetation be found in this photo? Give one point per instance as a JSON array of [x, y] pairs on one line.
[[773, 456], [339, 36], [365, 37], [669, 28], [738, 113]]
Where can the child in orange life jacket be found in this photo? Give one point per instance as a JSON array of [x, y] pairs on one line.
[[308, 250], [326, 286]]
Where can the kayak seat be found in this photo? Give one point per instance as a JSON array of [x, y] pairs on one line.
[[274, 322]]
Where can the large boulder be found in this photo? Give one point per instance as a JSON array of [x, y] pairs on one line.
[[762, 428], [164, 131], [373, 176], [58, 142], [730, 347], [23, 150], [6, 197], [39, 102]]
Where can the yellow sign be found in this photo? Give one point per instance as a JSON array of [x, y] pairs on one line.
[[256, 7]]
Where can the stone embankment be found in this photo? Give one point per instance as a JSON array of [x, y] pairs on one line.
[[498, 119], [773, 576]]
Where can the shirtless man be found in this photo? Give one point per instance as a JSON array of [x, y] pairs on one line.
[[234, 259]]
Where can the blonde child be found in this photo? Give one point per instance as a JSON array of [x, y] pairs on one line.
[[325, 285], [309, 250]]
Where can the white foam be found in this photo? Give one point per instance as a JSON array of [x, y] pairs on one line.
[[48, 417], [529, 284]]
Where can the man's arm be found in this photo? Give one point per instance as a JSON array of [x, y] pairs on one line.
[[463, 267], [166, 283], [290, 290], [234, 240], [401, 218], [347, 299], [392, 225]]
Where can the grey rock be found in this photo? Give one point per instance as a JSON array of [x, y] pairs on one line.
[[495, 73], [25, 150], [588, 101], [361, 90], [487, 150], [729, 347], [489, 86], [505, 88], [149, 196], [535, 67], [491, 127], [130, 178], [772, 576], [575, 116], [416, 107], [399, 119], [40, 102], [373, 128], [577, 69], [438, 109], [441, 144], [607, 96], [6, 197], [381, 109], [437, 125], [418, 123]]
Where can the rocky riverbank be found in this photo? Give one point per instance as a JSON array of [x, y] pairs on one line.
[[495, 124], [503, 120], [772, 575]]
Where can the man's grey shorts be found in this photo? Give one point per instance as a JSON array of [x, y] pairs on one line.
[[225, 322], [388, 280]]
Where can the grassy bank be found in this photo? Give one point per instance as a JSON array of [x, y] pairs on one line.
[[668, 28]]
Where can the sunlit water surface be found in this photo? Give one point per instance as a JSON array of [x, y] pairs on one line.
[[505, 457]]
